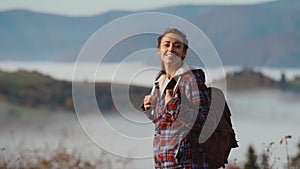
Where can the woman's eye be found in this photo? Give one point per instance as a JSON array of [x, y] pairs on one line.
[[177, 46]]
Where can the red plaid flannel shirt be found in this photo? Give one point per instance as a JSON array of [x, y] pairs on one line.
[[179, 122]]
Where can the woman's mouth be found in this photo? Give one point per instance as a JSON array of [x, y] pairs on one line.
[[170, 54]]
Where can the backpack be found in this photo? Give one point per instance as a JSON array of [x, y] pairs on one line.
[[218, 146]]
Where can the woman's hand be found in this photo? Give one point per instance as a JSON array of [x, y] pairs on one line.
[[169, 96], [149, 101]]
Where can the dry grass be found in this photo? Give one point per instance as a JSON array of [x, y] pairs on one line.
[[59, 158]]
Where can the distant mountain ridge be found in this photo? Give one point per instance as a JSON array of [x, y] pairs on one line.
[[265, 34]]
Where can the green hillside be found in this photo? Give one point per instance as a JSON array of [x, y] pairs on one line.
[[34, 89]]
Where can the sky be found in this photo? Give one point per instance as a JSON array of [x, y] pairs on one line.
[[94, 7]]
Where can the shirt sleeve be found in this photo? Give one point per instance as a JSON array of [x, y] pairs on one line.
[[148, 113]]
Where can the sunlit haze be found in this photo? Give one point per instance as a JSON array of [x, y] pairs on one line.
[[94, 7]]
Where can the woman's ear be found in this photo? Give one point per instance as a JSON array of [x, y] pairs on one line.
[[184, 54]]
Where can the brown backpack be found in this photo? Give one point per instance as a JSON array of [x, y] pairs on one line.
[[218, 146]]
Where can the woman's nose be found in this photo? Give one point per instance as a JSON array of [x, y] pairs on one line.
[[171, 48]]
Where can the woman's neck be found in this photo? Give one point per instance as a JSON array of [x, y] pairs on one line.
[[171, 69]]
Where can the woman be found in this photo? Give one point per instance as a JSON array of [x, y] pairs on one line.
[[178, 106]]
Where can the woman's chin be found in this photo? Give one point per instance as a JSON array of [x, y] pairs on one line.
[[171, 62], [171, 59]]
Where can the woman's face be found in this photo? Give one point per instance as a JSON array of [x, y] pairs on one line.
[[171, 49]]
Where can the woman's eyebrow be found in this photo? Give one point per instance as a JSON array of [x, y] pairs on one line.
[[177, 42], [170, 42]]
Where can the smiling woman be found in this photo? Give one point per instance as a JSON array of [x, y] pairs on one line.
[[178, 106]]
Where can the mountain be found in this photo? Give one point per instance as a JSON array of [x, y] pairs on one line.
[[266, 34]]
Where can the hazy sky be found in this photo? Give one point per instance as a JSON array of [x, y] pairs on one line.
[[93, 7]]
